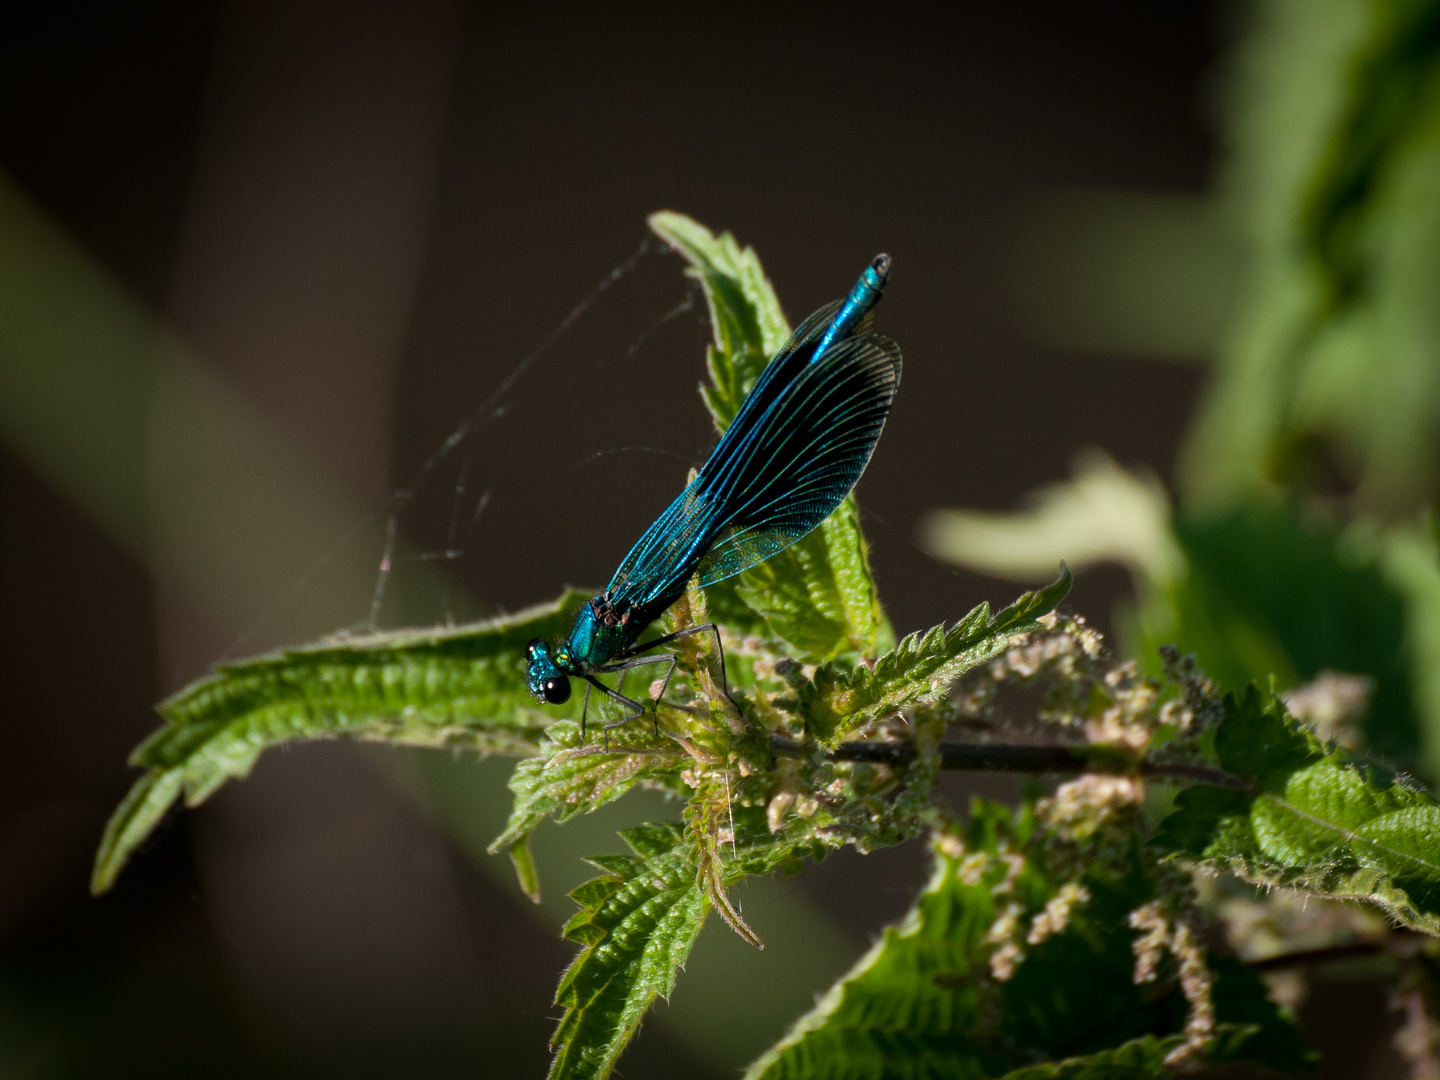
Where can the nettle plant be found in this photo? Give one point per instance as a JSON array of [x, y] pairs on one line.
[[1076, 934]]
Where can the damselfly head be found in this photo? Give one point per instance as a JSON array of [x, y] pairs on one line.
[[547, 681]]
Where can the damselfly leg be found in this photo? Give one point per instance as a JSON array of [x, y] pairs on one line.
[[703, 628], [638, 659]]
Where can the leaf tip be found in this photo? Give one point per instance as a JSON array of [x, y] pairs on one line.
[[526, 875], [676, 229], [133, 820]]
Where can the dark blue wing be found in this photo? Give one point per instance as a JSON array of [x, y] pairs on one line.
[[787, 363], [664, 558], [811, 329], [797, 446], [801, 458], [658, 566]]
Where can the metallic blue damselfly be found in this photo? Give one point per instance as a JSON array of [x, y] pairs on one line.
[[798, 444]]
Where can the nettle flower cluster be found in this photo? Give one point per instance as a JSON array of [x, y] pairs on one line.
[[1092, 825], [1084, 696]]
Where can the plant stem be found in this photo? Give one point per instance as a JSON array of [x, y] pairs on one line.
[[1003, 757], [1305, 957]]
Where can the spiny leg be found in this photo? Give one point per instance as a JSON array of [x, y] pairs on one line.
[[584, 709], [641, 661], [709, 627], [639, 709], [664, 685]]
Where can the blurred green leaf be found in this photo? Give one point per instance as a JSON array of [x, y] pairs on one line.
[[1261, 591], [1391, 105], [461, 687], [1317, 819], [1106, 514], [1270, 593], [1333, 369], [1410, 557]]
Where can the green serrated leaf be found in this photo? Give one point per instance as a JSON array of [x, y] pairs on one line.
[[638, 922], [1137, 1059], [841, 698], [620, 866], [744, 311], [461, 687], [133, 820], [926, 1001], [1320, 820], [637, 927], [818, 595], [1204, 816], [1258, 740], [565, 780]]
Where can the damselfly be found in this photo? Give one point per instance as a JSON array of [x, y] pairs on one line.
[[798, 444]]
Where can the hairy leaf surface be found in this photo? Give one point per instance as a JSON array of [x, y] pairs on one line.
[[566, 779], [458, 687], [639, 921], [1317, 819], [840, 699], [636, 924]]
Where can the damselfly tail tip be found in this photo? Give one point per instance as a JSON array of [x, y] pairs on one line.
[[881, 266]]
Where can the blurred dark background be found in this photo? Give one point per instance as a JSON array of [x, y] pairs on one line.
[[346, 224]]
